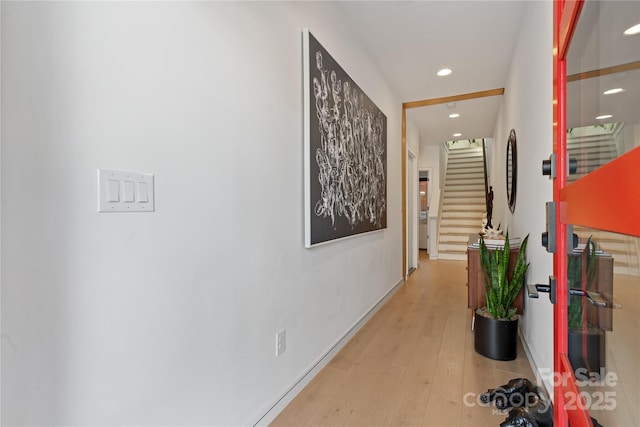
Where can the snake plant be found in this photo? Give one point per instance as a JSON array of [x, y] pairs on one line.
[[500, 290], [574, 275]]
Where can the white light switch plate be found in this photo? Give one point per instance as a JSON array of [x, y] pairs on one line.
[[121, 191]]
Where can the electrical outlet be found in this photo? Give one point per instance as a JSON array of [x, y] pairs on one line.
[[281, 342]]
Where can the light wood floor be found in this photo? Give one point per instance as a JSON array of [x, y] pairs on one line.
[[411, 364]]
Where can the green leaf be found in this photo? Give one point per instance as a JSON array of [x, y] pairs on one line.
[[577, 265]]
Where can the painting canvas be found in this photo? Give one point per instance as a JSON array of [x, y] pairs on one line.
[[345, 152]]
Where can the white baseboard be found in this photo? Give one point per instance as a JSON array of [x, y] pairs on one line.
[[548, 388], [317, 366]]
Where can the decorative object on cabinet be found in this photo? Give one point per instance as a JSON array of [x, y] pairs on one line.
[[512, 170]]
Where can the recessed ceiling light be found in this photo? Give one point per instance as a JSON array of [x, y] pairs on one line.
[[444, 72], [457, 134], [613, 91], [604, 116], [632, 31], [454, 115]]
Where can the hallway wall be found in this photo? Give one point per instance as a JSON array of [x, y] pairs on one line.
[[527, 108], [169, 318], [430, 157]]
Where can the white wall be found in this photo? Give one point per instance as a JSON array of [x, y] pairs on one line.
[[629, 139], [168, 318], [412, 137], [430, 158], [444, 156], [489, 144], [527, 108]]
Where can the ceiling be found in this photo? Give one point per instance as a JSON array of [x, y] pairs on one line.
[[411, 40]]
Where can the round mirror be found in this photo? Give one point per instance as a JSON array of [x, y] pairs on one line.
[[512, 174]]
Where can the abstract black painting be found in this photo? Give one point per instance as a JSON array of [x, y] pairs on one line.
[[345, 152]]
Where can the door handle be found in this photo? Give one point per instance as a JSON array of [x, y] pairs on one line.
[[595, 298], [532, 290]]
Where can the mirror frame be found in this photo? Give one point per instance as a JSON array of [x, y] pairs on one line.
[[512, 155]]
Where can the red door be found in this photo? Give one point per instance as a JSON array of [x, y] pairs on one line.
[[597, 124]]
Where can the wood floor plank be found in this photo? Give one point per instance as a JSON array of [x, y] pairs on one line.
[[408, 406], [374, 408], [475, 414], [390, 347], [338, 407], [447, 382], [308, 401], [435, 323], [442, 413], [454, 344]]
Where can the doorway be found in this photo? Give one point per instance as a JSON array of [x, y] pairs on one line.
[[424, 197], [409, 234]]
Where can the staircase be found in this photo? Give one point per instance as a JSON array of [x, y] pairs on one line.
[[591, 153], [463, 202], [622, 248], [593, 149]]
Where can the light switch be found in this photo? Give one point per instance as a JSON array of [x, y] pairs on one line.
[[129, 191], [143, 192], [113, 190], [121, 191]]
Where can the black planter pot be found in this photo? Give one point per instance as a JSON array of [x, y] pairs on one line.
[[495, 338], [594, 359]]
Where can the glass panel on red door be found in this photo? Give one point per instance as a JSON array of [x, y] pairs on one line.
[[603, 272]]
